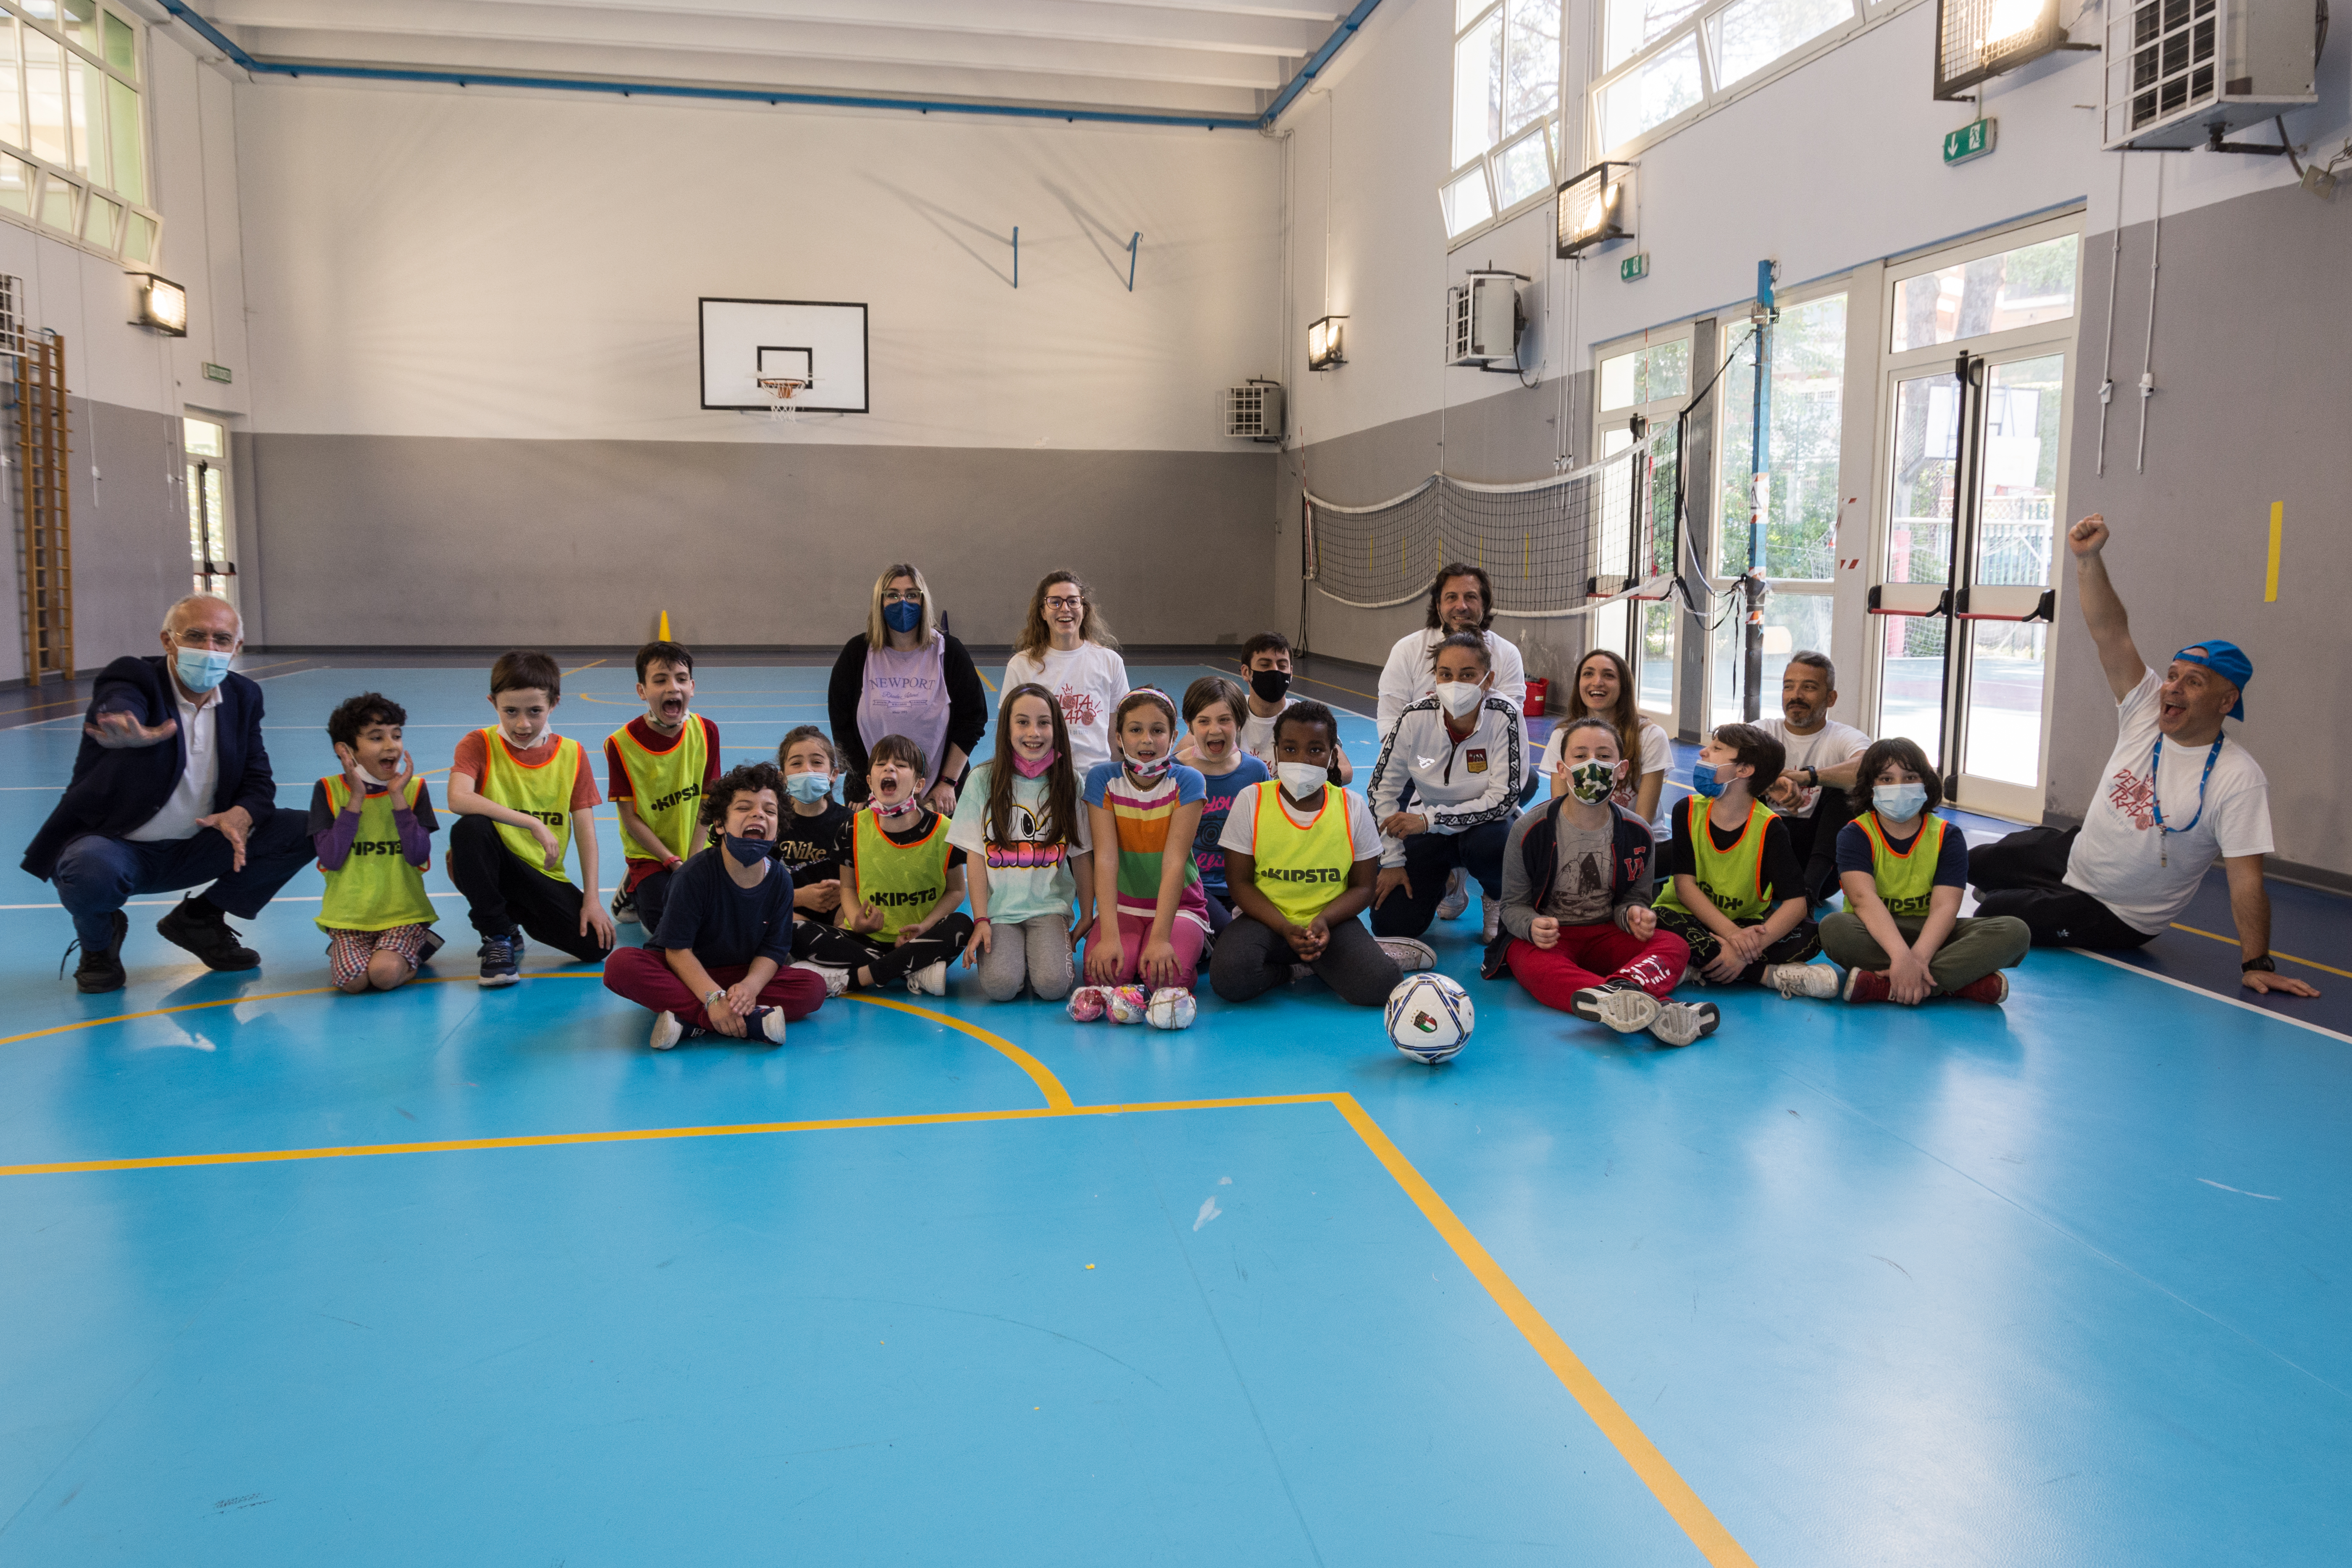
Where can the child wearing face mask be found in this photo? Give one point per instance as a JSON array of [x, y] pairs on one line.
[[901, 918], [1737, 894], [1578, 875], [813, 839], [1903, 870], [1460, 751], [1213, 724], [373, 825], [1025, 840], [1152, 919]]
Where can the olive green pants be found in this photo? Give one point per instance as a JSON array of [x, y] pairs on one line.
[[1976, 948]]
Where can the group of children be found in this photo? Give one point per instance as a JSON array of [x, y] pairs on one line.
[[1224, 828]]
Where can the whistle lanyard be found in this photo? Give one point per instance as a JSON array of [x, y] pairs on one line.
[[2155, 759]]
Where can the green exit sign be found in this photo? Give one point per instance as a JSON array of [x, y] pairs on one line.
[[1634, 266], [1969, 142]]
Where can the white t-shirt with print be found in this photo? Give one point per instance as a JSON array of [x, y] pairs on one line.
[[1658, 757], [1241, 824], [1257, 735], [2118, 858], [1825, 747], [1087, 681]]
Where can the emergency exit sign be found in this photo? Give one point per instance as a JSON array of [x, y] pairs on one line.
[[1972, 140]]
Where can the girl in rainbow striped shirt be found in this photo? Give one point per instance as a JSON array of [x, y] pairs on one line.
[[1152, 919]]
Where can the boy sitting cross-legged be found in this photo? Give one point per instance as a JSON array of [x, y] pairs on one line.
[[656, 767], [525, 796], [719, 963], [374, 827], [1738, 895], [901, 919]]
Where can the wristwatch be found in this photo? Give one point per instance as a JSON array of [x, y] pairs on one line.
[[1813, 777], [2266, 963]]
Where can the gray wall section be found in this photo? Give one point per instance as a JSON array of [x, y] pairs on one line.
[[1502, 439], [2253, 346], [399, 542]]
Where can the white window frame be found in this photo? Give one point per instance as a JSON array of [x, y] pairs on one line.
[[1715, 94], [48, 175], [1552, 128], [1614, 628]]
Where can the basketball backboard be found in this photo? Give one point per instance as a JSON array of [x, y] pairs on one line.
[[822, 344]]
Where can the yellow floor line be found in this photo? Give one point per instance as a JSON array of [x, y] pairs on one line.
[[2307, 962], [1056, 1097]]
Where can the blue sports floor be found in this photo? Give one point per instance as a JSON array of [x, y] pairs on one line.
[[451, 1275]]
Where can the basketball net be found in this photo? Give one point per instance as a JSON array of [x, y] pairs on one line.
[[781, 390]]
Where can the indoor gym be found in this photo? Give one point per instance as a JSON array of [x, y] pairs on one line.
[[468, 1274]]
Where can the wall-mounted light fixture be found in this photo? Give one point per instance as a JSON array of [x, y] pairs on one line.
[[1326, 344], [1596, 208], [163, 305]]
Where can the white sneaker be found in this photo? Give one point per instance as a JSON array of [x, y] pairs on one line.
[[1680, 1023], [837, 979], [1410, 954], [931, 979], [772, 1025], [1458, 896], [1624, 1010], [1819, 981], [625, 908], [667, 1031], [1492, 922]]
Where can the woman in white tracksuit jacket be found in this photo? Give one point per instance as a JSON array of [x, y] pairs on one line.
[[1464, 751]]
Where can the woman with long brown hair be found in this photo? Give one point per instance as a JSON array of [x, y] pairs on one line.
[[1024, 833], [904, 675], [1603, 689], [1066, 647]]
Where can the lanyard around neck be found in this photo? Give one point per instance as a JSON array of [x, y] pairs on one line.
[[2156, 803]]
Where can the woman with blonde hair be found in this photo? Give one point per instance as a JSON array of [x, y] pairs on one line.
[[1066, 647], [904, 675]]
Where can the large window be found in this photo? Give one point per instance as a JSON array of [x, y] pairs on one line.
[[1650, 380], [1506, 103], [1664, 60], [73, 139]]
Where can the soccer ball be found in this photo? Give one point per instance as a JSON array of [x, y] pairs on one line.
[[1088, 1003], [1171, 1008], [1128, 1004], [1430, 1017]]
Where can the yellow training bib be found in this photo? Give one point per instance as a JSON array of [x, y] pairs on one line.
[[667, 788], [543, 792], [1301, 870]]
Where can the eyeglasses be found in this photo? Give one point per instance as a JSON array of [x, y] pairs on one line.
[[1059, 603], [194, 639], [902, 596]]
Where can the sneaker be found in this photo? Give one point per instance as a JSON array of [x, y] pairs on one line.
[[625, 908], [1410, 953], [502, 961], [835, 978], [432, 943], [766, 1024], [1492, 908], [1866, 985], [931, 979], [1818, 981], [668, 1030], [1627, 1009], [1993, 989], [1458, 896], [1680, 1023], [98, 973], [205, 932]]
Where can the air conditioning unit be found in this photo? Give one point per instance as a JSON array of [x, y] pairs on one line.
[[1253, 411], [2185, 73], [1483, 320]]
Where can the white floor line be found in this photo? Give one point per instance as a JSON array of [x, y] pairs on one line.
[[2214, 996]]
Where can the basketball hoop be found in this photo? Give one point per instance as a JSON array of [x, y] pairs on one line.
[[781, 390]]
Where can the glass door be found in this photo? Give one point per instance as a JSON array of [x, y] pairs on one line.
[[1642, 387], [205, 446]]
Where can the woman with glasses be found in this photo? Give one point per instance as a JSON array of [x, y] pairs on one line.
[[905, 675], [1065, 647]]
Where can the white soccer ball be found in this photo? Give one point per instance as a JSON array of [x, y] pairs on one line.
[[1172, 1007], [1430, 1017]]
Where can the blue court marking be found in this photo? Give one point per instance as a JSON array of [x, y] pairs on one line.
[[1883, 1285]]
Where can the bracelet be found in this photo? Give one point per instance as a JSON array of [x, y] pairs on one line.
[[2265, 963], [716, 996], [982, 920]]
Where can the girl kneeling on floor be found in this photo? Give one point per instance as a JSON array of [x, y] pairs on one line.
[[1902, 868], [902, 893], [1143, 808], [1578, 876], [1025, 844]]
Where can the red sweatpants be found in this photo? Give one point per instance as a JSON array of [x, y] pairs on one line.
[[1586, 955], [642, 975]]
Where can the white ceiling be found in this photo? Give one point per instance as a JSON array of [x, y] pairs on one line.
[[1210, 57]]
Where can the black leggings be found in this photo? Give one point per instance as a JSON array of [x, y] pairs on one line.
[[1802, 943], [886, 962]]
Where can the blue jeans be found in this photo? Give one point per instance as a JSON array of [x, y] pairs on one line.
[[97, 875]]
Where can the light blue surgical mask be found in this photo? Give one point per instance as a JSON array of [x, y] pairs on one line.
[[201, 670], [1899, 802], [1705, 783], [808, 787], [901, 617]]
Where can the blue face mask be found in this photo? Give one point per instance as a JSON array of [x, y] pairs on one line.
[[901, 617], [200, 669], [1705, 783], [1899, 802], [808, 787], [748, 852]]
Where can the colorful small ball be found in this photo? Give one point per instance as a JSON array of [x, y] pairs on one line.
[[1088, 1003], [1128, 1004], [1172, 1007]]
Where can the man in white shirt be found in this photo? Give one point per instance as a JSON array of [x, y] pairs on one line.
[[2177, 796], [1814, 792]]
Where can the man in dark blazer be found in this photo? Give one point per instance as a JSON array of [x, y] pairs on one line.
[[172, 788]]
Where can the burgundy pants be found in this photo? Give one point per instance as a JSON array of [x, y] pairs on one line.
[[1586, 955], [641, 975]]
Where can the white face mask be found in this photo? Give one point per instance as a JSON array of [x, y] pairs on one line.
[[1305, 781], [1459, 697]]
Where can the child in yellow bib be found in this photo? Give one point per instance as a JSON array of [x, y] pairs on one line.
[[525, 796], [373, 825], [1903, 870], [1737, 893], [656, 768], [902, 891]]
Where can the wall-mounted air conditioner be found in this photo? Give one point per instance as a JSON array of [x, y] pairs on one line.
[[2186, 73], [1253, 411], [1483, 320]]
